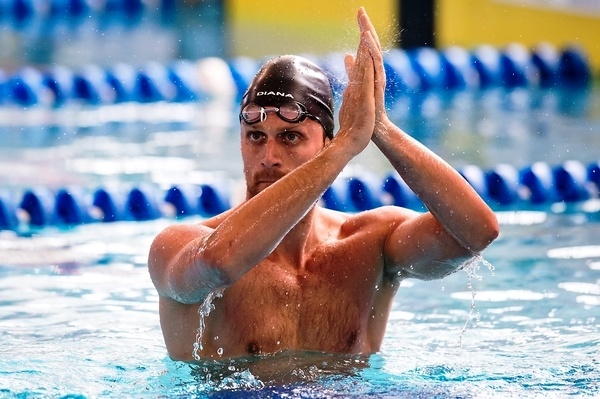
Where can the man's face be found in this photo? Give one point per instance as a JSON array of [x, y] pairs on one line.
[[273, 148]]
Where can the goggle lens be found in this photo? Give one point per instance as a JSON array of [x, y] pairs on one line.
[[293, 112]]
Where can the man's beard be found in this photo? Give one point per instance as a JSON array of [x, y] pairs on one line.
[[252, 185]]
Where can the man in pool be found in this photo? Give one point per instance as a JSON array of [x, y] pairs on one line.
[[294, 275]]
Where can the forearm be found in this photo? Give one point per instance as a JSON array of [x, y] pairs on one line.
[[188, 262], [447, 195], [252, 231]]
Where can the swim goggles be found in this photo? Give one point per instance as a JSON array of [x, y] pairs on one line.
[[291, 112]]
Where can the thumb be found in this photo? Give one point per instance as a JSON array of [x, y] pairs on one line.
[[349, 63]]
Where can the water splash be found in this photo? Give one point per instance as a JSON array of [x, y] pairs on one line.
[[471, 267], [203, 311]]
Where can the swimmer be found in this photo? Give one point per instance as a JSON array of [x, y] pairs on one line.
[[297, 276]]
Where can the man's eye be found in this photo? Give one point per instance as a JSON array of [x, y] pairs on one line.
[[255, 136], [291, 137]]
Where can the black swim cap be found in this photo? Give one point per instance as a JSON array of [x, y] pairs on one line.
[[292, 78]]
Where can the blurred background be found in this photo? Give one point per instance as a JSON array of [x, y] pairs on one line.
[[74, 33]]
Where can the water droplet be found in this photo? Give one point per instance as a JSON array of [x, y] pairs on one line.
[[203, 311], [220, 351]]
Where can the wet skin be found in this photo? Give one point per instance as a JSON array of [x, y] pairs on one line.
[[324, 288], [297, 276]]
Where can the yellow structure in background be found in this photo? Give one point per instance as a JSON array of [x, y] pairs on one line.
[[260, 28], [267, 27], [469, 23]]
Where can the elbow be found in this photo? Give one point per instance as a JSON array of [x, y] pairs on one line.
[[214, 269], [196, 285], [197, 279], [488, 231]]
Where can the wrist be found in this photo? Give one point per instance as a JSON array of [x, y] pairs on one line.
[[383, 128], [350, 142], [342, 148]]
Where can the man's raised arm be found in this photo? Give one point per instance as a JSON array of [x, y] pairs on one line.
[[186, 263], [460, 224]]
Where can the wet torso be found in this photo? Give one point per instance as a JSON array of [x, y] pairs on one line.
[[338, 300]]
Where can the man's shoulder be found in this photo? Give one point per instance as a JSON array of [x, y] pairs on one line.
[[383, 217], [383, 214]]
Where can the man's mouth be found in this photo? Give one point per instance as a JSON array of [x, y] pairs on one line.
[[270, 179]]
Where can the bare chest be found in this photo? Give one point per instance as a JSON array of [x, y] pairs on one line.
[[326, 305]]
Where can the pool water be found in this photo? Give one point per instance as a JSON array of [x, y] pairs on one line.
[[78, 312], [79, 319]]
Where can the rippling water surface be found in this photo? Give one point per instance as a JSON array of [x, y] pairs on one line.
[[79, 317]]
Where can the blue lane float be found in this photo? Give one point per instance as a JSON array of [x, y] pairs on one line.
[[538, 182], [593, 176], [573, 67], [487, 62], [503, 187], [460, 72], [153, 84], [213, 199], [182, 74], [475, 176], [122, 78], [570, 180], [427, 63], [546, 59], [182, 200], [409, 72], [27, 15], [518, 69], [90, 86], [60, 81], [142, 203], [26, 88], [399, 193], [502, 184], [365, 191], [400, 75], [337, 197], [38, 205], [242, 71], [109, 205], [8, 212], [70, 207]]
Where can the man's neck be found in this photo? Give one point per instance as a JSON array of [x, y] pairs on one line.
[[298, 241]]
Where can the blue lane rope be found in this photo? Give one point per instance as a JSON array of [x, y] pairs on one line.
[[27, 15], [408, 72], [503, 187]]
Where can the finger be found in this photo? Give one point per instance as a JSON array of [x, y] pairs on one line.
[[364, 64], [359, 16], [363, 56], [349, 61], [375, 54], [366, 25], [357, 61], [376, 66]]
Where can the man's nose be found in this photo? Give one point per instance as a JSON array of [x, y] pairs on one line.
[[271, 154]]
